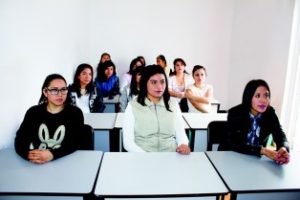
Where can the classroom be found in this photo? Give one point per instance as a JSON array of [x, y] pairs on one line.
[[236, 40]]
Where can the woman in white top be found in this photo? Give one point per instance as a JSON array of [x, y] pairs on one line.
[[131, 90], [161, 61], [152, 121], [83, 92], [179, 80], [126, 78], [199, 94]]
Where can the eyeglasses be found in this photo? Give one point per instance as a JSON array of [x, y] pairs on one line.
[[55, 91]]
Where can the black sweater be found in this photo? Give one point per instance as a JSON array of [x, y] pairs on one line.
[[60, 133]]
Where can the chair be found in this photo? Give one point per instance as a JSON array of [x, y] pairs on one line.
[[87, 142], [216, 132]]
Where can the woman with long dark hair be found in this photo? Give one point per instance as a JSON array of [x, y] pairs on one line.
[[51, 129], [83, 92], [252, 122], [153, 122]]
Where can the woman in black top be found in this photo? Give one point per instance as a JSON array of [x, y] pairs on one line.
[[51, 129], [251, 123]]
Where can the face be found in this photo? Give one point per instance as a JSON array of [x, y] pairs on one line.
[[199, 76], [260, 100], [161, 63], [137, 64], [138, 77], [156, 86], [109, 71], [179, 67], [56, 92], [105, 58], [85, 77]]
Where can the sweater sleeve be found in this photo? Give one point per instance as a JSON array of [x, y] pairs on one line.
[[23, 135], [128, 131], [181, 137]]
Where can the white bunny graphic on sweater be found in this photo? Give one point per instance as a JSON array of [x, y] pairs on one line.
[[51, 143]]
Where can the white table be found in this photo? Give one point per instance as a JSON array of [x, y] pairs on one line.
[[71, 175], [127, 175], [251, 177], [103, 124], [199, 122]]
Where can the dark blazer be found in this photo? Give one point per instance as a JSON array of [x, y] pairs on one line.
[[239, 124]]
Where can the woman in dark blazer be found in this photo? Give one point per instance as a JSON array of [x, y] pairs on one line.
[[251, 123]]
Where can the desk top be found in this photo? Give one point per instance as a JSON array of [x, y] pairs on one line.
[[157, 174], [246, 173], [114, 100], [120, 118], [72, 174], [100, 120], [201, 120]]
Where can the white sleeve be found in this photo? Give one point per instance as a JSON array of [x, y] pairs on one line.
[[181, 137], [128, 131], [170, 83], [125, 80]]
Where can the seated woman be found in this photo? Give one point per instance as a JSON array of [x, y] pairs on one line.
[[161, 61], [126, 78], [152, 121], [107, 81], [179, 80], [252, 122], [131, 90], [83, 93], [51, 129], [199, 94], [104, 57]]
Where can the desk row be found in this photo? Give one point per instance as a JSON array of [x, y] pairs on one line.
[[87, 174]]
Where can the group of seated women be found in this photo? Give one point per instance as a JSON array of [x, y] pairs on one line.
[[152, 121]]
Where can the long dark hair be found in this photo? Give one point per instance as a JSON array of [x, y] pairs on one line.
[[150, 71], [250, 90], [133, 84], [76, 81], [133, 64], [49, 78]]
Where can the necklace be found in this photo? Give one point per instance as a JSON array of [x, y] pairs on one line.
[[82, 91]]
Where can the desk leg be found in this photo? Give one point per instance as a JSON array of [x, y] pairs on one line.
[[89, 197], [114, 140], [191, 136]]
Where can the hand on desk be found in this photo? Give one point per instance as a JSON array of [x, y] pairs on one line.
[[183, 149], [40, 156], [280, 157]]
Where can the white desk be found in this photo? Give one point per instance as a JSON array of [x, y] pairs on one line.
[[71, 175], [199, 122], [111, 104], [157, 175], [103, 124], [251, 177]]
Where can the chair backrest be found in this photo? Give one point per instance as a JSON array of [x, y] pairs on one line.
[[216, 132], [87, 142]]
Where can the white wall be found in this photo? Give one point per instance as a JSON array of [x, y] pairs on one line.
[[234, 39], [259, 49]]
